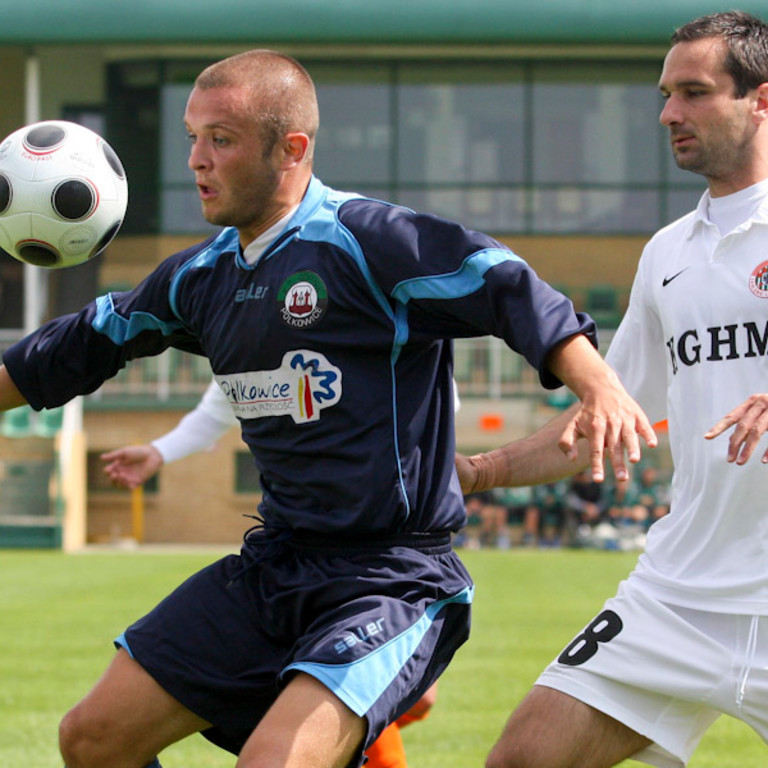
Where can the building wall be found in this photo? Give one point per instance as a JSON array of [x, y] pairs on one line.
[[196, 500]]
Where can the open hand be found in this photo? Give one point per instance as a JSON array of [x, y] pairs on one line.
[[751, 420]]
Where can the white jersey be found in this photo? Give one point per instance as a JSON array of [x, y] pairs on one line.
[[692, 346]]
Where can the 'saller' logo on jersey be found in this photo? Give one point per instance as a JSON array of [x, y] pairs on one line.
[[758, 280], [302, 299]]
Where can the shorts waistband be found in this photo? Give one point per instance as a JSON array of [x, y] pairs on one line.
[[429, 542]]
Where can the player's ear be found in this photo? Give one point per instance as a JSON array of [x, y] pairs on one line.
[[761, 102], [295, 148]]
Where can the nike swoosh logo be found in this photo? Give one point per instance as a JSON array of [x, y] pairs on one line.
[[668, 280]]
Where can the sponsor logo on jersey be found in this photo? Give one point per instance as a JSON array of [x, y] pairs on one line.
[[304, 385], [719, 342], [758, 280], [302, 299]]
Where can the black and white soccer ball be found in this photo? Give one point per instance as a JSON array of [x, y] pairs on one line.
[[63, 194]]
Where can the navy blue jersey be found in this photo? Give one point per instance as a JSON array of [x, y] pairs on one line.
[[333, 349]]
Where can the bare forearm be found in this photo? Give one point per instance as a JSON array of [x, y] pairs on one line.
[[531, 460], [579, 365], [607, 423], [10, 397]]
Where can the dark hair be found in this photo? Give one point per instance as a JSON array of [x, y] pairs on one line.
[[746, 40]]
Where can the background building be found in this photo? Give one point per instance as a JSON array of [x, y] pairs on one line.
[[533, 121]]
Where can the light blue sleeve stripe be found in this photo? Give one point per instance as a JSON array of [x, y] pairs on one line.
[[468, 278], [226, 240], [120, 329], [121, 642], [361, 682]]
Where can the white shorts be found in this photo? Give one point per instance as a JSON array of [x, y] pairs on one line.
[[667, 672]]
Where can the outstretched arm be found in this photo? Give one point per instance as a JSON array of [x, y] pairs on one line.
[[531, 460], [751, 421], [610, 420], [132, 465], [606, 421]]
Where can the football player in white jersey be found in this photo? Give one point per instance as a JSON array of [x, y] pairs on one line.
[[686, 637]]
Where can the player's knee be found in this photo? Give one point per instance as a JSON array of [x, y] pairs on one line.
[[82, 742], [505, 755], [72, 743]]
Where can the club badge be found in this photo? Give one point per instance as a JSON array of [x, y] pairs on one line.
[[302, 299], [758, 280]]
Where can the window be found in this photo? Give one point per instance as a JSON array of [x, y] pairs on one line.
[[246, 474], [505, 147]]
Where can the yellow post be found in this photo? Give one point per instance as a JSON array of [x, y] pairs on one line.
[[137, 513]]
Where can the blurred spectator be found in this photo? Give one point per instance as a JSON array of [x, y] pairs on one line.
[[494, 531], [578, 512], [652, 495], [584, 507], [469, 535], [545, 516]]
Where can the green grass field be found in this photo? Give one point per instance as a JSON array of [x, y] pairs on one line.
[[59, 613]]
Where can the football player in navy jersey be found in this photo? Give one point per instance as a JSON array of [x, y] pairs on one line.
[[327, 320]]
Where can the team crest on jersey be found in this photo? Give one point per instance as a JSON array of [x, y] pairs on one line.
[[302, 299], [758, 280]]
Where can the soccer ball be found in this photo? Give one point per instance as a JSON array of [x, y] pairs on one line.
[[63, 194]]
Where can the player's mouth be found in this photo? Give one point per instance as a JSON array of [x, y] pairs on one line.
[[205, 191], [682, 140]]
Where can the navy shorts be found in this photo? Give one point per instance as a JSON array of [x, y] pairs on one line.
[[376, 623]]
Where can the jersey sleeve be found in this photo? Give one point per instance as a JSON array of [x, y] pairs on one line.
[[199, 429], [637, 351], [74, 354], [446, 281]]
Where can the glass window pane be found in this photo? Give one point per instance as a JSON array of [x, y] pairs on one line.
[[460, 123], [570, 209], [486, 209], [682, 201], [247, 477], [354, 140], [593, 126], [174, 146], [181, 212], [179, 203]]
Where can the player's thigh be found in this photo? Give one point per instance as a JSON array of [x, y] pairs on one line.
[[553, 730], [126, 712], [306, 727]]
